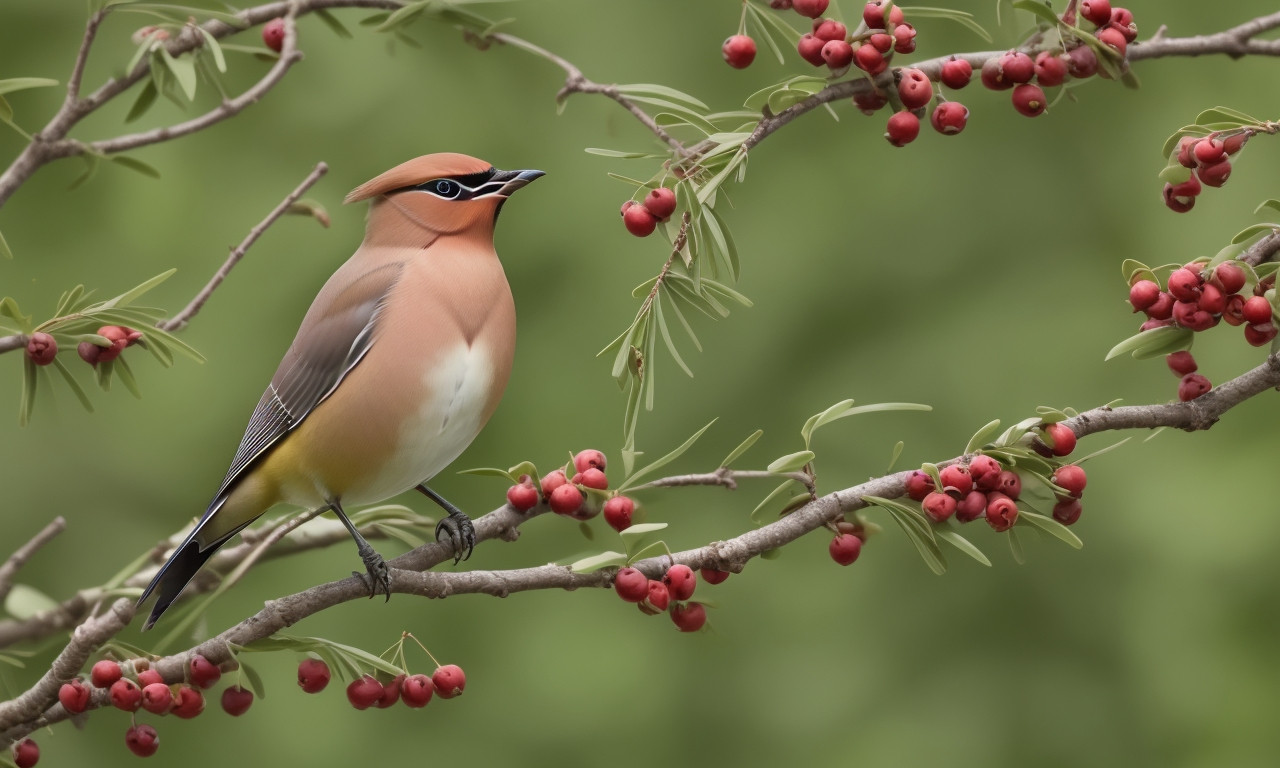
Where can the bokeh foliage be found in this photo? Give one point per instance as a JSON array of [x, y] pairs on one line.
[[976, 273]]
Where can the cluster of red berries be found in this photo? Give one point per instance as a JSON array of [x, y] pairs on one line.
[[42, 347], [565, 495], [367, 691], [273, 34], [642, 218], [670, 595], [1198, 298], [1207, 158]]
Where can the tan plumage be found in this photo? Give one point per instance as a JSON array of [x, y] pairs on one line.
[[401, 359]]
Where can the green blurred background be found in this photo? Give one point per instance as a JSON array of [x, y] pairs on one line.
[[978, 273]]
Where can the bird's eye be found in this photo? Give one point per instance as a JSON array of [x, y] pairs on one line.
[[445, 188]]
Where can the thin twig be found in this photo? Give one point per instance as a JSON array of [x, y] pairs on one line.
[[180, 320], [20, 557]]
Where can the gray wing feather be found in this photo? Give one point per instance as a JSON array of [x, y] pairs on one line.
[[322, 354]]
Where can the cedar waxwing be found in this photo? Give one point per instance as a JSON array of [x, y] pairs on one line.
[[399, 362]]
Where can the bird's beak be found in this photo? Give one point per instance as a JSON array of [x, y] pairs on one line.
[[512, 180]]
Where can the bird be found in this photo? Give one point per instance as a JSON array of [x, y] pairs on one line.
[[398, 364]]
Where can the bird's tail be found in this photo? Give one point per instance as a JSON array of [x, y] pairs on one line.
[[174, 576]]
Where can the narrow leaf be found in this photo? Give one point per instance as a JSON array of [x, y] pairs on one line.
[[24, 83], [650, 89], [962, 544], [666, 336], [184, 71], [1248, 233], [146, 97], [791, 462], [596, 562], [135, 164], [742, 448], [332, 23], [983, 436], [1051, 527], [73, 384], [1015, 546], [662, 462], [211, 43], [1156, 341], [767, 505]]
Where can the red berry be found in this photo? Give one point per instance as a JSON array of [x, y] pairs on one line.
[[985, 472], [904, 38], [1029, 100], [1051, 70], [1114, 39], [273, 34], [1017, 67], [1235, 142], [1082, 62], [149, 677], [868, 59], [1215, 175], [869, 102], [618, 511], [1192, 386], [810, 49], [594, 478], [1208, 151], [390, 692], [1070, 478], [1162, 309], [971, 507], [639, 221], [956, 73], [104, 673], [712, 576], [313, 675], [1181, 363], [680, 581], [1229, 277], [1178, 199], [992, 76], [689, 617], [1259, 334], [738, 51], [845, 548], [1151, 325], [837, 54], [363, 692], [157, 698], [126, 695], [956, 480], [1062, 440], [41, 349], [449, 681], [949, 118], [1143, 294], [74, 696], [1189, 315], [1233, 313], [914, 89], [829, 29], [119, 338], [1097, 11], [883, 42], [1185, 284], [631, 585], [1067, 511], [522, 497], [873, 14], [236, 700], [1256, 310], [661, 202], [938, 506], [204, 673], [142, 740], [89, 352], [565, 500], [811, 8], [416, 691], [1122, 20], [902, 129], [1002, 512], [657, 599], [1186, 151], [919, 484], [26, 753], [1010, 484], [188, 703], [1212, 300]]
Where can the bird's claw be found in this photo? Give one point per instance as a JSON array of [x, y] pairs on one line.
[[457, 531], [377, 574]]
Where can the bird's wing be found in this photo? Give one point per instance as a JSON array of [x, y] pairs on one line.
[[326, 349]]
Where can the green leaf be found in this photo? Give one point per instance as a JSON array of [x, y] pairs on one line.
[[1132, 269], [1273, 204], [332, 23], [1248, 233], [73, 384], [631, 482], [596, 562], [6, 111], [253, 679], [618, 153], [400, 534], [917, 529], [488, 472], [960, 17], [90, 167], [983, 436], [674, 301], [792, 462], [666, 336], [661, 91], [5, 250], [184, 71], [962, 544], [709, 189], [766, 32], [137, 165], [1043, 11], [1015, 546], [28, 392], [767, 504], [1220, 115], [125, 374], [406, 14], [211, 43], [723, 240], [742, 448], [129, 296], [1051, 527], [1153, 343], [24, 602], [24, 83], [897, 452], [1175, 173], [146, 97]]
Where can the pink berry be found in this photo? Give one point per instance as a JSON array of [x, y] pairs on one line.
[[837, 54], [938, 506], [689, 617], [956, 73], [1186, 151], [956, 480], [1002, 512], [74, 696], [985, 472], [657, 600], [565, 500], [631, 585], [1162, 309], [1212, 300], [1189, 315], [1113, 39], [148, 677], [1070, 478], [904, 38], [390, 692], [1122, 20], [41, 349], [712, 576], [142, 740], [914, 88], [313, 675], [26, 753], [738, 51], [868, 59], [971, 507], [810, 49], [1029, 100], [869, 102], [1017, 67], [126, 695], [104, 673], [273, 34], [1082, 62], [1143, 294], [1185, 284], [89, 352], [416, 691], [680, 581], [1208, 151], [845, 548], [829, 29], [363, 692], [1259, 334], [1051, 70], [949, 118], [204, 673], [873, 14], [591, 458], [522, 497], [1215, 175], [1096, 11], [1229, 277], [1181, 363], [449, 681], [919, 484], [1193, 385], [661, 202], [1256, 310], [1177, 197], [638, 220], [188, 703], [1233, 313], [902, 129], [811, 8], [236, 700], [157, 698], [993, 77], [1010, 484], [553, 480], [1061, 438], [1067, 511], [618, 511], [882, 42]]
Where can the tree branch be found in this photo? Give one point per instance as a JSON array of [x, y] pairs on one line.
[[20, 557]]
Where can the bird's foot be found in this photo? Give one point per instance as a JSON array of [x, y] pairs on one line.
[[377, 575], [457, 531]]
